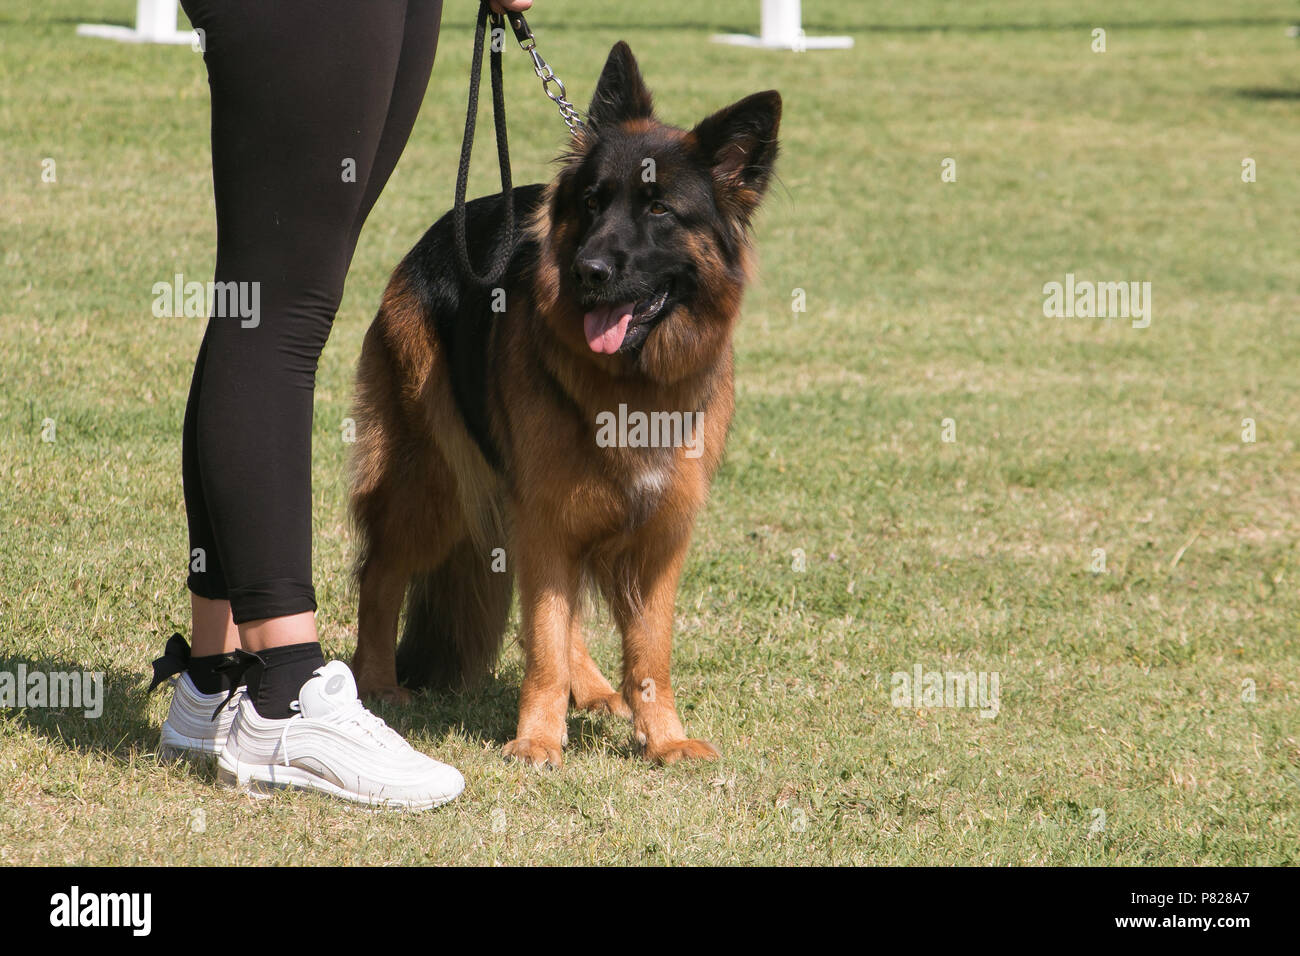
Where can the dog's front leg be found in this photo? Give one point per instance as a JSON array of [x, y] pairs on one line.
[[646, 621], [548, 591]]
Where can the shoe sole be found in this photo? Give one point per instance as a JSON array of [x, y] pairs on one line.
[[262, 780], [173, 746]]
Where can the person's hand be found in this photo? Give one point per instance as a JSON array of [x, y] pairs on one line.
[[510, 6]]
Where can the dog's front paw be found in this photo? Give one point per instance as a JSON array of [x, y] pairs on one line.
[[672, 751], [538, 753]]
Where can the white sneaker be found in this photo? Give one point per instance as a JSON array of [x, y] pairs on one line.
[[334, 745], [190, 727]]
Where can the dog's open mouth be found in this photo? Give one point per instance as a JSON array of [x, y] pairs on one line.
[[606, 326]]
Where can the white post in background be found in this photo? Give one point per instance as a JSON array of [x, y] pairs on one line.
[[781, 28], [155, 22]]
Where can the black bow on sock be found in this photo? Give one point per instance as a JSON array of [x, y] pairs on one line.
[[233, 666], [175, 659]]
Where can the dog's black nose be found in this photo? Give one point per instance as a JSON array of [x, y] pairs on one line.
[[594, 271]]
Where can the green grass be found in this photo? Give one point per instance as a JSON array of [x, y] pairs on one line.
[[1121, 691]]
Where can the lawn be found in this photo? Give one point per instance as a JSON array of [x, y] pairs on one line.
[[924, 470]]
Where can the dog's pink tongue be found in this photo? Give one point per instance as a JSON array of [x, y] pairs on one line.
[[606, 325]]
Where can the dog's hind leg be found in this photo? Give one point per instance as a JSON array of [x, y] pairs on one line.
[[383, 587]]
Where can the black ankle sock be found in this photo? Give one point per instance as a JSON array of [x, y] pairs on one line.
[[274, 683], [203, 672]]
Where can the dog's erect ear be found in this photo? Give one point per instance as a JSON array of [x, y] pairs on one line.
[[739, 143], [621, 94]]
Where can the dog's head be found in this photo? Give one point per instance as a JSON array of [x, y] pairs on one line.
[[645, 229]]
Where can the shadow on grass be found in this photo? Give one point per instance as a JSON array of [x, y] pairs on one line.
[[124, 731], [1267, 93], [747, 24], [488, 714], [832, 26], [120, 731]]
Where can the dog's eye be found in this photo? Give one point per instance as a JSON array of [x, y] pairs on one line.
[[657, 208], [593, 203]]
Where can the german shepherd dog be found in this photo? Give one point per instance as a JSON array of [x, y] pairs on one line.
[[481, 412]]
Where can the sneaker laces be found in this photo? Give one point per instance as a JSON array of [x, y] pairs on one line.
[[355, 713], [284, 732]]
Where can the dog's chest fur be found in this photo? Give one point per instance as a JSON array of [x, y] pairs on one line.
[[651, 477]]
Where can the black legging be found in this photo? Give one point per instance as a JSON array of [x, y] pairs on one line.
[[301, 90]]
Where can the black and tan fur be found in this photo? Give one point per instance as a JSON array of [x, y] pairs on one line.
[[477, 428]]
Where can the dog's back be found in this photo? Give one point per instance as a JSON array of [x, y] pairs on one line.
[[422, 392]]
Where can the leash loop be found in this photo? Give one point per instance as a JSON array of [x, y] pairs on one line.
[[504, 248], [552, 86]]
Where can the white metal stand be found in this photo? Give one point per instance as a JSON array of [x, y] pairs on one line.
[[782, 29], [155, 22]]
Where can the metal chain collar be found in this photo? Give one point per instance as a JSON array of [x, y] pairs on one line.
[[552, 85]]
